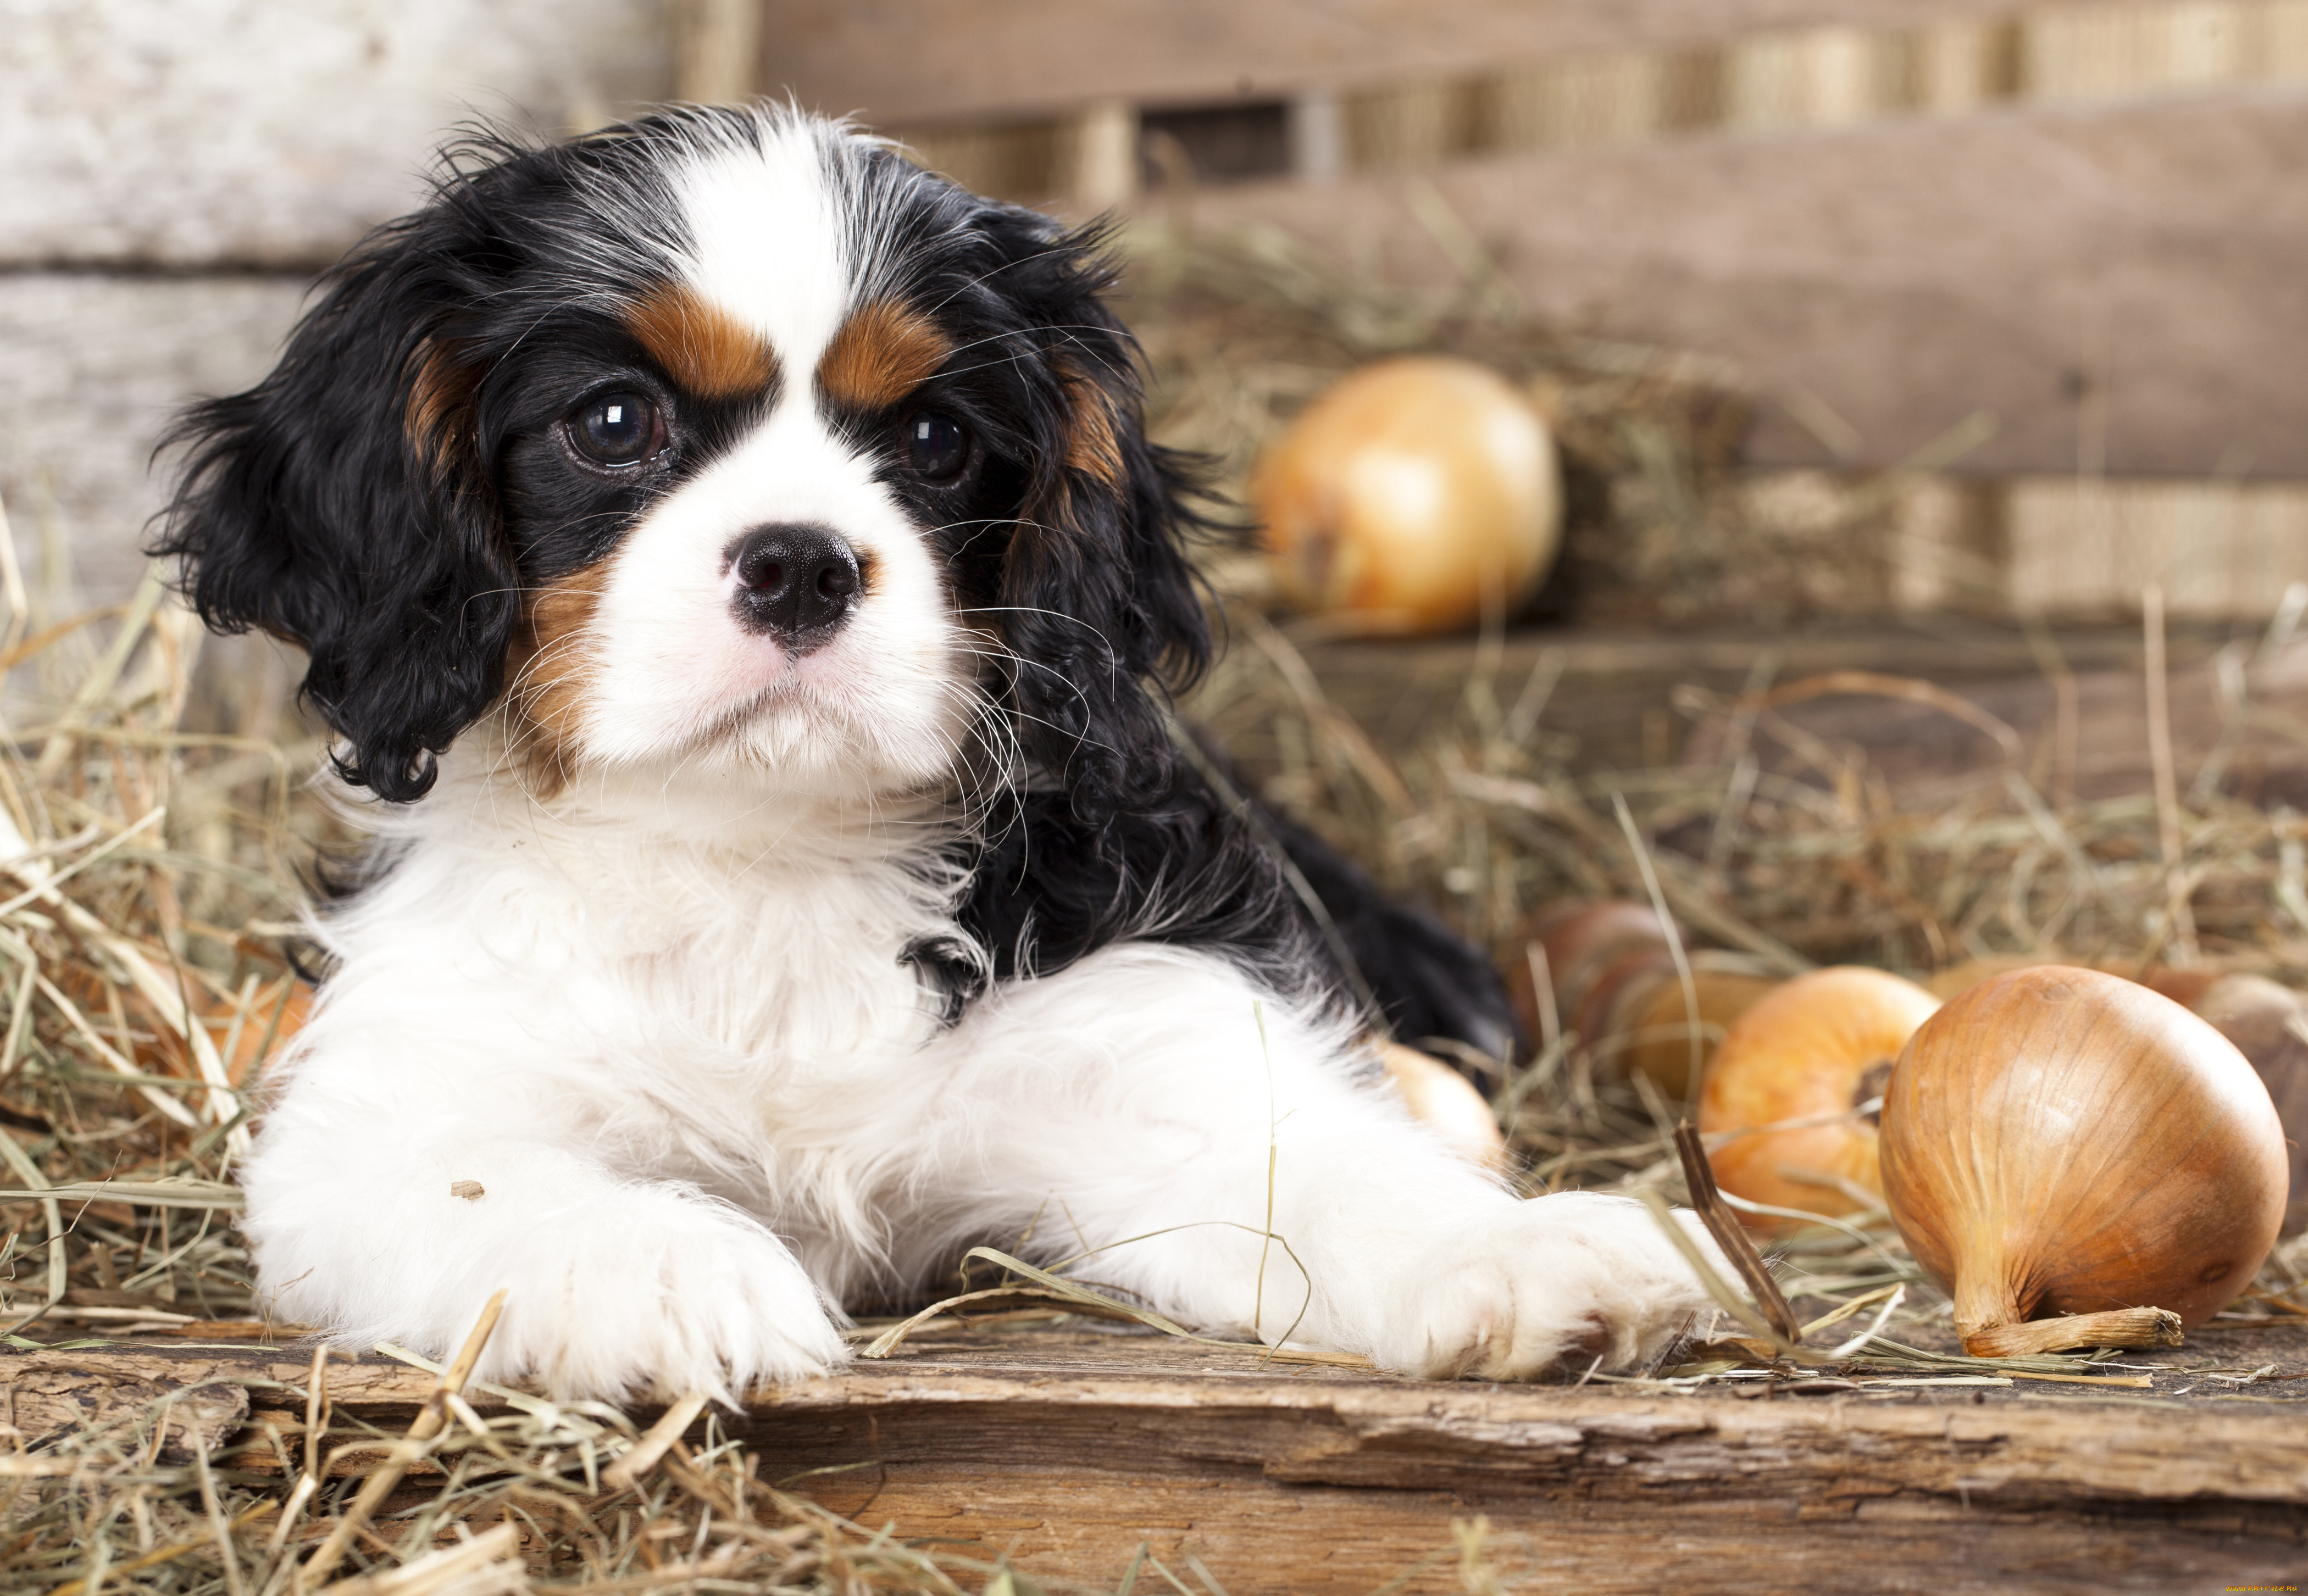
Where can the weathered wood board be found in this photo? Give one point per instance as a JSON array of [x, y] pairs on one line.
[[1022, 56], [1614, 707], [2115, 284], [1069, 1447]]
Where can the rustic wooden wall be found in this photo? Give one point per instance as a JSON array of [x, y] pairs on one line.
[[2079, 216], [178, 170], [2106, 261], [914, 61], [2121, 285]]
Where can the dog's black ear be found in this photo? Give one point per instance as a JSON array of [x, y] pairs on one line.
[[1098, 599], [343, 504]]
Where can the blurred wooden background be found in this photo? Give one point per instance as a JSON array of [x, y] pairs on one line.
[[2064, 239], [2050, 250]]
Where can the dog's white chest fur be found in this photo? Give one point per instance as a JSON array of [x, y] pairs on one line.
[[663, 958]]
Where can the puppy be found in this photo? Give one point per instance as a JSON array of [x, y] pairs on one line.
[[730, 558]]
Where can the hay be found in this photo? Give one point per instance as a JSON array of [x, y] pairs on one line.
[[488, 1503], [148, 891], [1785, 849], [1241, 331], [1823, 862]]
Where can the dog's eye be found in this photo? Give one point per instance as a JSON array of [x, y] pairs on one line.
[[617, 429], [937, 444]]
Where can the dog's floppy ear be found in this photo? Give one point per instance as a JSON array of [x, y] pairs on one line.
[[341, 504], [1098, 598]]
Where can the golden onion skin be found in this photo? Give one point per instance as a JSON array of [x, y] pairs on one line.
[[1661, 1026], [2057, 1140], [1811, 1048], [1411, 492], [1446, 1103], [2269, 1024], [1577, 943], [1639, 1021], [1614, 981]]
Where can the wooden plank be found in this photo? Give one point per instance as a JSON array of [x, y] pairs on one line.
[[2119, 286], [905, 60], [145, 133], [1069, 1448], [717, 44], [1613, 707], [1617, 707], [1927, 757]]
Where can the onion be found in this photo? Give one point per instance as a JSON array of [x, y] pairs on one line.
[[1658, 1017], [1412, 493], [2269, 1024], [1575, 945], [1580, 940], [1614, 983], [2059, 1141], [1819, 1047], [1446, 1103]]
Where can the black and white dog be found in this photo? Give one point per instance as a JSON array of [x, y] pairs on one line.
[[733, 557]]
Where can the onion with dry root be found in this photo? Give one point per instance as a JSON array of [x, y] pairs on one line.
[[2057, 1141], [1418, 494], [1817, 1050]]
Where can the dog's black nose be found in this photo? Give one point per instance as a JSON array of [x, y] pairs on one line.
[[795, 582]]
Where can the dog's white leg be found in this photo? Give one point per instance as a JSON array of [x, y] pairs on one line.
[[615, 1283], [1150, 1106]]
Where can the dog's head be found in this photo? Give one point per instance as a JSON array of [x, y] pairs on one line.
[[726, 437]]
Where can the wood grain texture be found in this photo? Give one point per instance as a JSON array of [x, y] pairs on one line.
[[63, 1393], [2129, 270], [967, 57], [1069, 1448], [1614, 701]]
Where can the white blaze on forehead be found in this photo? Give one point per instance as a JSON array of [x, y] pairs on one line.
[[882, 703], [769, 237]]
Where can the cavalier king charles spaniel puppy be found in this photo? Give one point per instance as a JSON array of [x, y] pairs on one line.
[[730, 558]]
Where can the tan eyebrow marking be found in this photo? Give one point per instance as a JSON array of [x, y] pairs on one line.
[[883, 352], [701, 345]]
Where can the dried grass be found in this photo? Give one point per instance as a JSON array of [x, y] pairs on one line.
[[1821, 864], [526, 1499], [148, 889], [1242, 330]]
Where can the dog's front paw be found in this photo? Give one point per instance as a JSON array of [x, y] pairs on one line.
[[1555, 1283], [661, 1294]]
